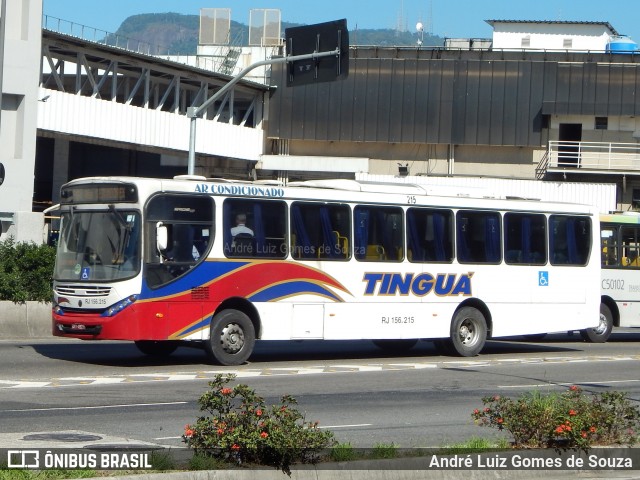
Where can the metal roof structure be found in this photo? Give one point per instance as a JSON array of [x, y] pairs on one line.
[[556, 22]]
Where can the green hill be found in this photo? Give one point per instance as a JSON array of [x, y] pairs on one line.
[[178, 34]]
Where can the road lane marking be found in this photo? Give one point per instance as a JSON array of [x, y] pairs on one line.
[[242, 372], [565, 384], [355, 425], [96, 407], [348, 426]]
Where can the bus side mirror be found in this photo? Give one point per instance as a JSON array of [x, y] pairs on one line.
[[162, 237]]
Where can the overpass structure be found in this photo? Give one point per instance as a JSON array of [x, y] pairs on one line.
[[75, 107], [138, 102]]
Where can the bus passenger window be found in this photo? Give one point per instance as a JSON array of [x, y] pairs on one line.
[[320, 231], [609, 247], [478, 236], [379, 234], [429, 235], [570, 240], [525, 239], [630, 246], [254, 228]]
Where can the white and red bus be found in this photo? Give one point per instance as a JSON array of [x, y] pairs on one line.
[[620, 282], [155, 261]]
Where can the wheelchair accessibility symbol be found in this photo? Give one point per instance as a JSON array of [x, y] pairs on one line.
[[85, 273], [543, 278]]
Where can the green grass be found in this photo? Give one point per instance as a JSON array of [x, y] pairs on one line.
[[343, 452], [382, 450], [474, 444]]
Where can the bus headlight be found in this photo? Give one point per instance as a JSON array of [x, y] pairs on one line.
[[118, 307]]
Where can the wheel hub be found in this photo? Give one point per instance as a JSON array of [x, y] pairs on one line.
[[466, 333], [602, 326], [232, 338]]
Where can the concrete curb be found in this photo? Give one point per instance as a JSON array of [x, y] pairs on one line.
[[346, 471], [27, 320]]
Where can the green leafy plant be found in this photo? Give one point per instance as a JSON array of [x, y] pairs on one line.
[[205, 462], [26, 271], [343, 452], [568, 420], [384, 450], [474, 444], [242, 430], [162, 461]]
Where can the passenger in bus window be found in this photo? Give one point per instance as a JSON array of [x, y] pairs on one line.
[[242, 238], [241, 220]]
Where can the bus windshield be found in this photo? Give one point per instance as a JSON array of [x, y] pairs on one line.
[[98, 245]]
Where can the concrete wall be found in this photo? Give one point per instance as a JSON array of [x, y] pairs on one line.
[[29, 320], [20, 54], [25, 227], [20, 57], [515, 162]]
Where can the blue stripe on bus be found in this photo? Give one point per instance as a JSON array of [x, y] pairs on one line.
[[198, 276], [289, 289]]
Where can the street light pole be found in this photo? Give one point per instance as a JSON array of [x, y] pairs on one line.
[[194, 112]]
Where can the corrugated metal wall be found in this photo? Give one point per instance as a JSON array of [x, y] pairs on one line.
[[472, 99]]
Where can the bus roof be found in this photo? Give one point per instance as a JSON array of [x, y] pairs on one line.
[[332, 187]]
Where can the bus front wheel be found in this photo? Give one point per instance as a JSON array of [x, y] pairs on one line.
[[232, 338], [600, 334], [468, 332]]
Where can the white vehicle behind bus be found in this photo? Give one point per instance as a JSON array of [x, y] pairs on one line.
[[620, 282]]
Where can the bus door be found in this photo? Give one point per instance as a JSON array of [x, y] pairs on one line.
[[179, 234]]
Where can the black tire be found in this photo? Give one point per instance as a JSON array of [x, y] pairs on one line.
[[534, 337], [396, 345], [468, 332], [156, 348], [601, 333], [232, 338]]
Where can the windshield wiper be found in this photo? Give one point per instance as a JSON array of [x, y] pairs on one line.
[[119, 217]]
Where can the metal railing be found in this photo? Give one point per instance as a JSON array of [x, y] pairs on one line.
[[594, 155], [599, 156], [103, 37]]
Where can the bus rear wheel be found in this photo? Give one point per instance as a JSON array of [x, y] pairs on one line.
[[156, 348], [468, 332], [232, 338], [600, 334]]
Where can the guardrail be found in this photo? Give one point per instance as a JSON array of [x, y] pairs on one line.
[[592, 156], [96, 35], [103, 37]]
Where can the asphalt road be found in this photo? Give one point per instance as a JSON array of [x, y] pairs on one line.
[[364, 395]]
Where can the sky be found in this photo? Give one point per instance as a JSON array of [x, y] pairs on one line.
[[445, 18]]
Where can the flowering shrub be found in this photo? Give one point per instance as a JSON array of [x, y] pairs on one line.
[[241, 429], [568, 420]]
